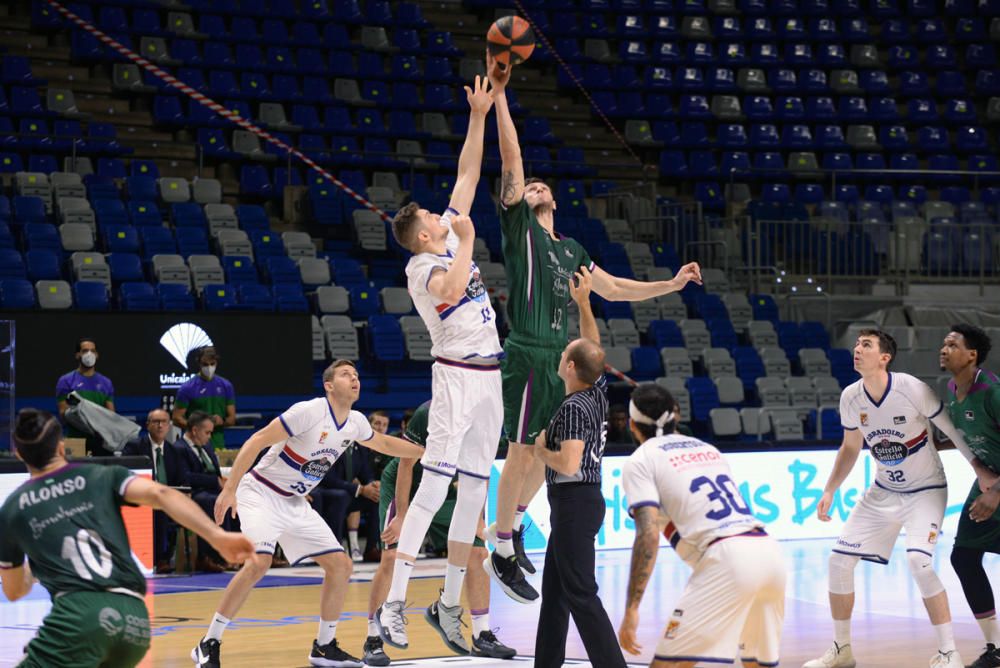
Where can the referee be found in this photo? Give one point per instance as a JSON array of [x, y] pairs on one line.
[[572, 448]]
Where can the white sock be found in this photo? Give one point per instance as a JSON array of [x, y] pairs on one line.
[[991, 630], [842, 632], [218, 625], [327, 631], [519, 517], [400, 579], [352, 538], [946, 639], [372, 628], [505, 544], [451, 595], [480, 622]]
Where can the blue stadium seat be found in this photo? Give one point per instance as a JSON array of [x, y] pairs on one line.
[[175, 297], [280, 269], [120, 238], [646, 363], [385, 336], [289, 298], [17, 294], [255, 297], [90, 296], [240, 270], [219, 297], [157, 241], [704, 397], [364, 302], [43, 264], [665, 334], [125, 267]]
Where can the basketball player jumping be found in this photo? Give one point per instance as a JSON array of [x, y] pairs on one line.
[[889, 412], [539, 264]]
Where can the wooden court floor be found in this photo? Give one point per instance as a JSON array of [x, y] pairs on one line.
[[278, 623]]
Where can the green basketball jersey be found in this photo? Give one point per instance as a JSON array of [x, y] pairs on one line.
[[978, 417], [416, 432], [538, 271], [69, 524]]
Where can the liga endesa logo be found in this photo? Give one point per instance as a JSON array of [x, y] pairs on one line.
[[179, 341]]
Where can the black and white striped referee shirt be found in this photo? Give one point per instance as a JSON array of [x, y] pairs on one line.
[[582, 416]]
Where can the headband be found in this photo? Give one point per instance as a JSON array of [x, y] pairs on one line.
[[639, 417]]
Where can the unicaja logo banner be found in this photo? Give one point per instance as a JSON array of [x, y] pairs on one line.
[[182, 338]]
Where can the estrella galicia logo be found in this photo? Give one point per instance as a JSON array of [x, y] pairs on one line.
[[315, 469], [889, 452], [111, 621], [182, 338]]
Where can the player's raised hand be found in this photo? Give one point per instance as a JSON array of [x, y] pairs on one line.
[[689, 272], [580, 289], [626, 632], [498, 74], [823, 507], [479, 97], [234, 548], [225, 502], [463, 228]]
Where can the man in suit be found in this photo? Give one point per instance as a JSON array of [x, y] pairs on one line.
[[160, 451], [198, 468], [348, 490]]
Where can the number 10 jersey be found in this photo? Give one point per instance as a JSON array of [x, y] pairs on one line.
[[692, 485]]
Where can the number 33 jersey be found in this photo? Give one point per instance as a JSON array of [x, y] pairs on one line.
[[315, 441], [896, 430], [692, 485]]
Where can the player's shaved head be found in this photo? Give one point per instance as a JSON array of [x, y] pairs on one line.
[[587, 358]]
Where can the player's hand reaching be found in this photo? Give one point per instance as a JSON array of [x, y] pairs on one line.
[[689, 272], [462, 227], [390, 535], [580, 289], [823, 507], [479, 97], [225, 502], [234, 548], [987, 478], [498, 74], [626, 632], [984, 506]]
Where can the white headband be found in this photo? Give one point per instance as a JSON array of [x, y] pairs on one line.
[[639, 417]]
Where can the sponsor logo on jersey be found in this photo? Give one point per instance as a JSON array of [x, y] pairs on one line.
[[322, 437], [899, 419], [864, 419], [315, 469], [889, 452], [841, 541], [682, 459], [672, 628], [970, 415], [111, 621], [933, 535]]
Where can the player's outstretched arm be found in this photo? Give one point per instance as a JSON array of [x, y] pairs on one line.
[[234, 547], [617, 289], [580, 290], [392, 445], [274, 432], [644, 549], [850, 448], [512, 168], [449, 286], [470, 161]]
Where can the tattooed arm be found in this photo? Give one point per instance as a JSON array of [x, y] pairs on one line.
[[647, 542], [512, 170]]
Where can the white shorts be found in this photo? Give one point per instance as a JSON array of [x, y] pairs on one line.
[[465, 419], [733, 605], [874, 524], [268, 519]]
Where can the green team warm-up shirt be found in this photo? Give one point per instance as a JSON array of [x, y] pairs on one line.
[[978, 417], [538, 270], [69, 525]]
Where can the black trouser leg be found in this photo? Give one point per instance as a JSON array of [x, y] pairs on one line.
[[968, 564], [553, 616]]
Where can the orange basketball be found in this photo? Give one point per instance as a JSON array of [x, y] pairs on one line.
[[510, 40]]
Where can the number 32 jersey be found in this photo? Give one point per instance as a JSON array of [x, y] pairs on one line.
[[315, 441], [692, 485], [896, 431]]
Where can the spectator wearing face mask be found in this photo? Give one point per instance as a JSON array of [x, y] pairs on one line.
[[85, 381], [209, 393]]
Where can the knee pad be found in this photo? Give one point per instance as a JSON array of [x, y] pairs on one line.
[[468, 508], [927, 580], [431, 492], [842, 573]]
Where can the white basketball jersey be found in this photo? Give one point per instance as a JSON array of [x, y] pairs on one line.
[[463, 331], [315, 441], [897, 432], [692, 485]]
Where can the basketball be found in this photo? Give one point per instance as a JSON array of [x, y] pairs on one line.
[[510, 40]]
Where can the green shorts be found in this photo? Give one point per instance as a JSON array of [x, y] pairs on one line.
[[90, 629], [974, 535], [532, 389], [438, 530]]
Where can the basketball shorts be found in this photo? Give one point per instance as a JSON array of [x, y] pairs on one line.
[[733, 605], [532, 389], [437, 533], [874, 524], [974, 535], [465, 419], [268, 519], [86, 629]]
